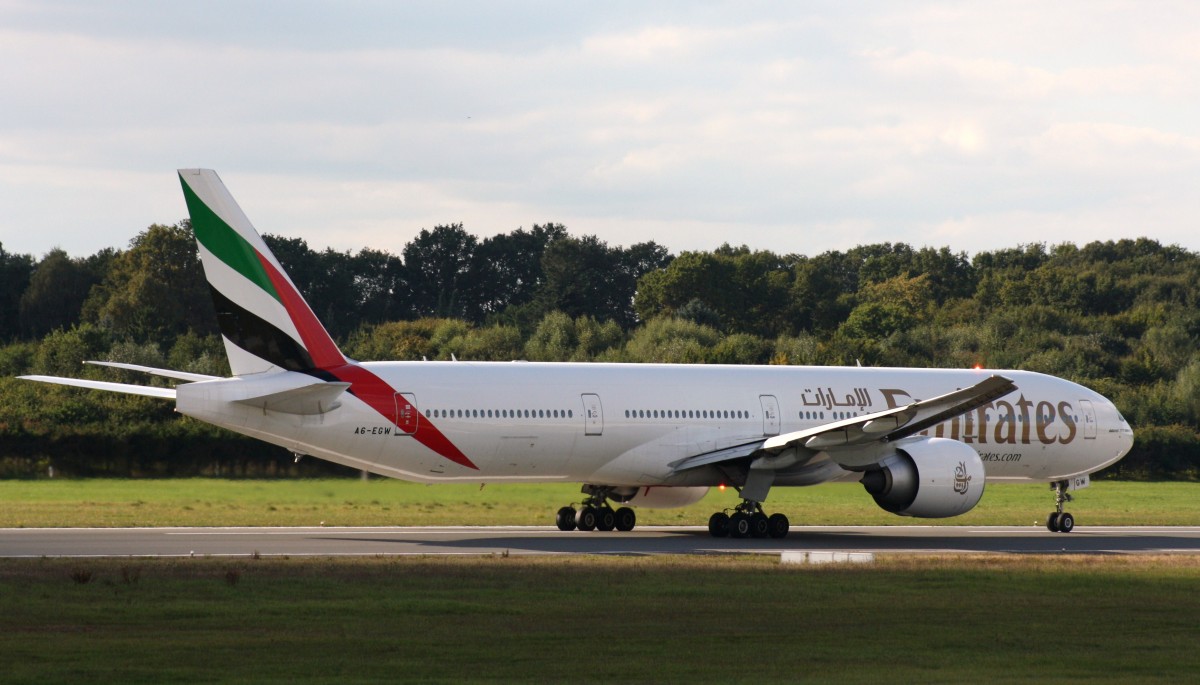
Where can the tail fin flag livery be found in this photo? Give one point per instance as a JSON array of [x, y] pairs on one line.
[[265, 322], [923, 442]]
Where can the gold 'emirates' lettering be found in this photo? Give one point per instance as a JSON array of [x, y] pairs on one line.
[[1010, 423]]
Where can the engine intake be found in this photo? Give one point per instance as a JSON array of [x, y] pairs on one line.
[[928, 478]]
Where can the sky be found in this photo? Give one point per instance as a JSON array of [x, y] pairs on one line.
[[791, 127]]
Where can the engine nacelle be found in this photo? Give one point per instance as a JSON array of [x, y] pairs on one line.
[[659, 497], [928, 478]]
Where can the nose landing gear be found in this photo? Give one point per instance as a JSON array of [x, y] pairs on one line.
[[1060, 521]]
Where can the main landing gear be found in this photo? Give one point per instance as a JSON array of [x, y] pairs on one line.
[[1060, 521], [748, 521], [596, 514]]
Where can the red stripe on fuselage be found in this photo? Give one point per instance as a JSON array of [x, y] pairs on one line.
[[364, 385], [320, 346], [381, 397]]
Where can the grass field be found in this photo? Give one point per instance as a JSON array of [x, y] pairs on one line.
[[349, 502], [588, 619]]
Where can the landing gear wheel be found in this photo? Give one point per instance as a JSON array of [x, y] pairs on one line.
[[1061, 521], [1052, 522], [759, 525], [1066, 522], [718, 525], [565, 520], [739, 526], [777, 526], [625, 519], [606, 520], [586, 519]]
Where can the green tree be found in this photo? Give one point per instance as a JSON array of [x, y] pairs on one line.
[[155, 290], [57, 289], [668, 340], [585, 277], [506, 270], [437, 268], [15, 272]]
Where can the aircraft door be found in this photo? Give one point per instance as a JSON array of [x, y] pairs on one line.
[[593, 415], [770, 408], [407, 415], [1089, 419]]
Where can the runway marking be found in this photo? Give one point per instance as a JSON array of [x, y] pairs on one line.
[[385, 541]]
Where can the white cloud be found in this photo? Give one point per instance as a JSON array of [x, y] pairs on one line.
[[797, 129]]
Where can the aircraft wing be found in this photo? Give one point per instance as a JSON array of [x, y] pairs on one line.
[[884, 426], [893, 424]]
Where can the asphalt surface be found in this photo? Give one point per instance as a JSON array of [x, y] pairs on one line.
[[175, 542]]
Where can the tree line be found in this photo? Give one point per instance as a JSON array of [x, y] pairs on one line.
[[1119, 316]]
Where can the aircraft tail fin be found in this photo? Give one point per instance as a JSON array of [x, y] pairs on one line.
[[265, 323]]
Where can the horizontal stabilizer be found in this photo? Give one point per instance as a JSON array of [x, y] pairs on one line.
[[317, 398], [126, 388], [165, 373]]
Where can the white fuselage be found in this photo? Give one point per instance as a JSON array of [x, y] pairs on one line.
[[628, 424]]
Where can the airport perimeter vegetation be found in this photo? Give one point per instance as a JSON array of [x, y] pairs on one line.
[[386, 502], [745, 618]]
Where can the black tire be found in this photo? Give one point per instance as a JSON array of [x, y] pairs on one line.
[[606, 520], [739, 526], [586, 519], [1052, 522], [1066, 523], [718, 525], [565, 520], [759, 526], [626, 519], [777, 526]]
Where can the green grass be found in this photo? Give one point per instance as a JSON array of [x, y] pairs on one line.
[[589, 619], [348, 502]]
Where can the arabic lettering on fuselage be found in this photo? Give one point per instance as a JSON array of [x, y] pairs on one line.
[[828, 399], [1002, 422]]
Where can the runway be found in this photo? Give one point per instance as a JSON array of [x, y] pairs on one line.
[[649, 540]]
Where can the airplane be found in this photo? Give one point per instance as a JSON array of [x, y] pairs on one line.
[[923, 442]]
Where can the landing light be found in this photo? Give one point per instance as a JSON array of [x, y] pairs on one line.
[[721, 487]]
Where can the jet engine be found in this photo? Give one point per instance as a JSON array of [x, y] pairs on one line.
[[927, 478], [659, 497]]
